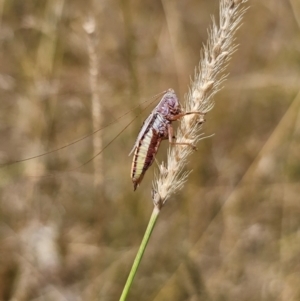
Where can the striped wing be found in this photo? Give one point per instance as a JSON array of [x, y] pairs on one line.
[[142, 131], [149, 119]]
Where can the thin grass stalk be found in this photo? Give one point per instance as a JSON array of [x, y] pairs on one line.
[[1, 10], [41, 73], [177, 40], [40, 87], [127, 13], [140, 252], [92, 42]]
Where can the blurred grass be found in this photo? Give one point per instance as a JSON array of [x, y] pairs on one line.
[[232, 233]]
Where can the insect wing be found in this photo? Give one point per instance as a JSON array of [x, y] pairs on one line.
[[142, 131], [148, 120]]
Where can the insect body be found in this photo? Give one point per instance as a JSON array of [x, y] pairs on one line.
[[157, 127]]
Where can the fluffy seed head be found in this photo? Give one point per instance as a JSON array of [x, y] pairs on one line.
[[208, 79]]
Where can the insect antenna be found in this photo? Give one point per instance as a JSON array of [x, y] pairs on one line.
[[52, 174], [86, 136], [109, 143]]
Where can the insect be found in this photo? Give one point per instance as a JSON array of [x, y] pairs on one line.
[[12, 162], [157, 127]]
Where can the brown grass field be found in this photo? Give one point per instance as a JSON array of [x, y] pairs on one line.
[[232, 233]]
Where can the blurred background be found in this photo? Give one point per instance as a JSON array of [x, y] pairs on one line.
[[69, 67]]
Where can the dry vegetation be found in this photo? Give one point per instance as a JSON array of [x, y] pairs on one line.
[[232, 234]]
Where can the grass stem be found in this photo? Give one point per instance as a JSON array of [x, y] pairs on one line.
[[140, 252]]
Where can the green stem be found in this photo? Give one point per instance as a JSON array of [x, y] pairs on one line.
[[140, 253]]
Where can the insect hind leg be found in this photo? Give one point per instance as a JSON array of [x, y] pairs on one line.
[[171, 137], [175, 117]]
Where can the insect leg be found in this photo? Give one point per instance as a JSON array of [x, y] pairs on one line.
[[171, 137], [180, 115]]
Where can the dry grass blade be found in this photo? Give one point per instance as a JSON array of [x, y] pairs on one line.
[[207, 82], [92, 41]]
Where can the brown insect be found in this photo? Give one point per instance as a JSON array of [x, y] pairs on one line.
[[157, 127]]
